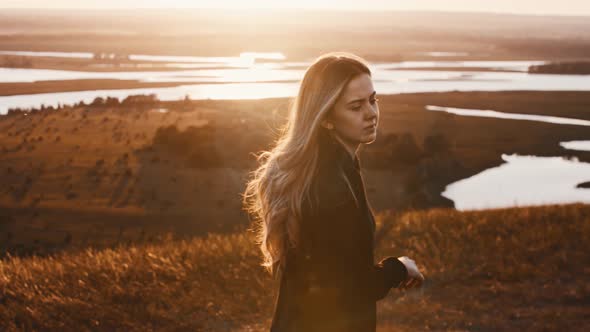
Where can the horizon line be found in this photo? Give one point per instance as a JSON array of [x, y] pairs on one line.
[[347, 10]]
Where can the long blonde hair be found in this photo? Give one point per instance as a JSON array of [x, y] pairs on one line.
[[277, 188]]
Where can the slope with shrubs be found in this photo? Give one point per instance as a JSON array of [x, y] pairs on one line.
[[504, 269]]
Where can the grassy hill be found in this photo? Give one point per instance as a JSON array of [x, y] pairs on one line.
[[112, 172], [506, 269]]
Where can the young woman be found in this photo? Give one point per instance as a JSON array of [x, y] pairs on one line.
[[315, 228]]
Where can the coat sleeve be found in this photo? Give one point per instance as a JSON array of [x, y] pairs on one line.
[[388, 273], [341, 252]]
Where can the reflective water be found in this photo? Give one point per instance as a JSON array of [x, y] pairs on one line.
[[160, 58], [512, 116], [522, 180], [80, 55], [495, 65], [201, 91], [227, 69], [251, 74], [576, 145], [255, 80], [443, 54], [255, 70]]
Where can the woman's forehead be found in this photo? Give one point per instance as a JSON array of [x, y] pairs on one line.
[[359, 87]]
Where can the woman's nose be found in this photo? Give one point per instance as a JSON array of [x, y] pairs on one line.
[[371, 112]]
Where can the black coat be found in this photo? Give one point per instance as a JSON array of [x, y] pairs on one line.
[[331, 282]]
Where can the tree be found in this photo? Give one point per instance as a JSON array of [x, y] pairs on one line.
[[436, 144], [405, 150]]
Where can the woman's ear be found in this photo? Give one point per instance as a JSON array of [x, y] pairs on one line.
[[326, 124]]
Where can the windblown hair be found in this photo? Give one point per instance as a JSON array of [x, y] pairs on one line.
[[277, 188]]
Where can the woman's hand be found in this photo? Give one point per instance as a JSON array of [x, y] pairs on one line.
[[415, 278]]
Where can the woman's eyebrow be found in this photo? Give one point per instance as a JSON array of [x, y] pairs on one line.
[[361, 99]]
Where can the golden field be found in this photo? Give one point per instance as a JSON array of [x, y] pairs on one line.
[[505, 269]]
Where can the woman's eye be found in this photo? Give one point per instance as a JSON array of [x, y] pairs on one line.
[[372, 101]]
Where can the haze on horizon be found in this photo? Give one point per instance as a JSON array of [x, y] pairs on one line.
[[570, 7]]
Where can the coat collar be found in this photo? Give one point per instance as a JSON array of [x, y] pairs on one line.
[[332, 151]]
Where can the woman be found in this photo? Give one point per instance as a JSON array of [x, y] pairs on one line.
[[315, 228]]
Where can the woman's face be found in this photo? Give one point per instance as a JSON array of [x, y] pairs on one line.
[[355, 115]]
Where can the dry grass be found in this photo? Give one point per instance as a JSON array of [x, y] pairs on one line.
[[504, 269], [202, 284], [507, 269]]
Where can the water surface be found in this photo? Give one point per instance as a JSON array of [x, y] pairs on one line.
[[521, 181], [511, 116]]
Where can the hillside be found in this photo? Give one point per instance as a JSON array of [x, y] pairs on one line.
[[125, 171], [506, 269]]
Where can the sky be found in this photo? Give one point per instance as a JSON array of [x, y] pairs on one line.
[[538, 7]]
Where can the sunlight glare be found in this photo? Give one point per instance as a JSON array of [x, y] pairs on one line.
[[249, 58]]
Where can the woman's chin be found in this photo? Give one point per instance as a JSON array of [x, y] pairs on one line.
[[370, 138]]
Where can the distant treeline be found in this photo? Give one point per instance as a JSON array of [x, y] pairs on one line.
[[427, 166], [134, 101], [572, 68], [110, 56], [212, 146], [231, 145]]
